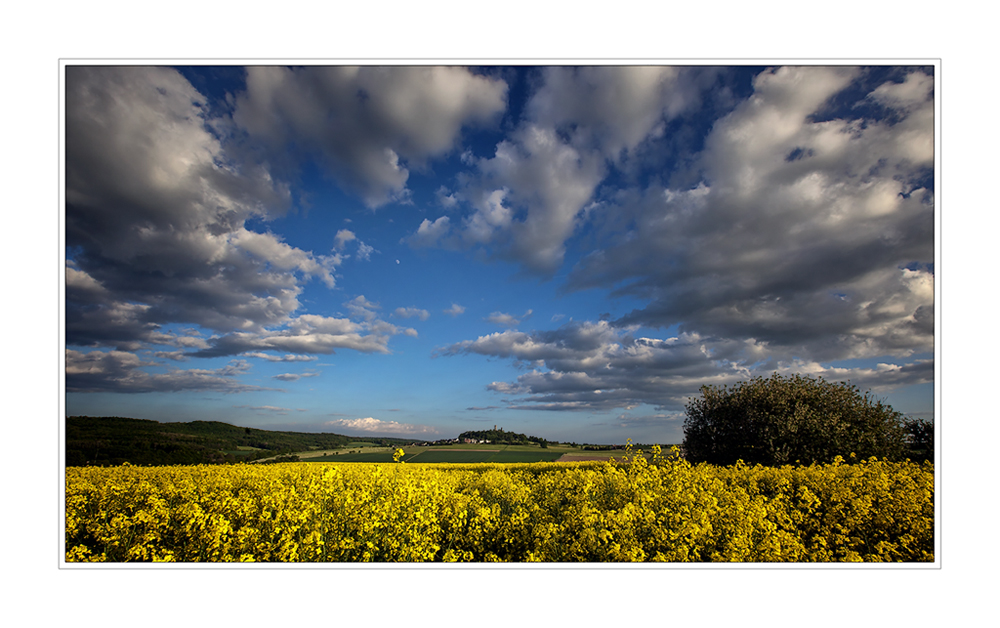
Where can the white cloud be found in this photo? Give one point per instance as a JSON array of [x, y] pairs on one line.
[[343, 237], [311, 334], [528, 199], [445, 198], [292, 377], [360, 307], [454, 310], [376, 426], [551, 180], [273, 251], [914, 92], [429, 233], [288, 357], [613, 109], [365, 251], [411, 312], [491, 215], [507, 320]]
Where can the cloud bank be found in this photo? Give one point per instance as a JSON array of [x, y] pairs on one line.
[[597, 367]]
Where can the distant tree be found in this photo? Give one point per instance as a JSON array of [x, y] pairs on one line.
[[920, 438], [784, 420]]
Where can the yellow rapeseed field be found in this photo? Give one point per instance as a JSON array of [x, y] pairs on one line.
[[663, 509]]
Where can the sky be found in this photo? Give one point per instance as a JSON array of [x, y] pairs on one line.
[[565, 251]]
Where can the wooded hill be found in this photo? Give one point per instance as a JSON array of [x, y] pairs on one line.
[[114, 440], [500, 436]]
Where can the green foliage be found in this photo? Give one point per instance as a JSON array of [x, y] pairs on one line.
[[103, 441], [784, 420]]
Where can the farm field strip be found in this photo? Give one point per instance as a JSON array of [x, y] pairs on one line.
[[660, 510], [443, 456]]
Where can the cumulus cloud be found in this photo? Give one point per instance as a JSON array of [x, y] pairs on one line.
[[430, 233], [377, 426], [369, 125], [539, 175], [360, 307], [447, 199], [595, 366], [614, 109], [412, 312], [454, 310], [344, 236], [507, 320], [529, 197], [365, 251], [811, 232], [156, 208]]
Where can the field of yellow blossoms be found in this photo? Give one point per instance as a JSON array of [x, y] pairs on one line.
[[639, 509]]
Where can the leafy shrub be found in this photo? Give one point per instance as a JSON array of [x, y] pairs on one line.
[[783, 420]]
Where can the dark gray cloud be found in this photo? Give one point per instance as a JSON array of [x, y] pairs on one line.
[[368, 124], [158, 195], [155, 215], [122, 372]]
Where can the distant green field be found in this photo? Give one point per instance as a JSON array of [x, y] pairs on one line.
[[459, 456], [382, 456], [456, 456], [452, 455], [526, 456]]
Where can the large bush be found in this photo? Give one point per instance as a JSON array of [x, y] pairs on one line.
[[784, 420]]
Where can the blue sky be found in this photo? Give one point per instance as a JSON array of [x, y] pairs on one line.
[[565, 251]]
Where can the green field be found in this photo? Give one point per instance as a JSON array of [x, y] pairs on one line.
[[376, 456], [472, 455], [463, 455]]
